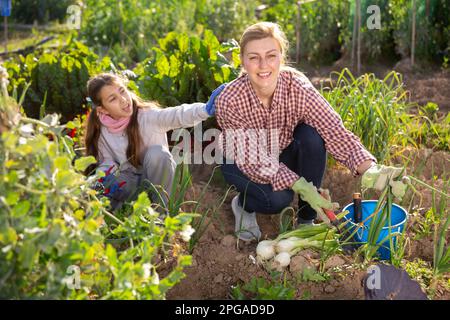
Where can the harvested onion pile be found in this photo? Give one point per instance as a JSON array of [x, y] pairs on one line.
[[280, 250]]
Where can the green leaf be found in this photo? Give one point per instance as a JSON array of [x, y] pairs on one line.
[[82, 163], [12, 198], [28, 254], [8, 236], [65, 179], [21, 209], [62, 163], [162, 65]]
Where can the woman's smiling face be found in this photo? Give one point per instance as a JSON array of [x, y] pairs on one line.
[[262, 60], [115, 101]]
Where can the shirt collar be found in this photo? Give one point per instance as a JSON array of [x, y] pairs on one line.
[[277, 95]]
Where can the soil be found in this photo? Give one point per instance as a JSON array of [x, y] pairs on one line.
[[220, 261]]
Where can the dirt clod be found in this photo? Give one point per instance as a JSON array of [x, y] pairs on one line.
[[329, 289], [334, 261], [218, 278], [229, 241]]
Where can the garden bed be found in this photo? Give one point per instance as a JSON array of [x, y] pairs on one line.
[[220, 262]]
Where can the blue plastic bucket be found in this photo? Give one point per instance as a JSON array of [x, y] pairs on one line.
[[398, 221]]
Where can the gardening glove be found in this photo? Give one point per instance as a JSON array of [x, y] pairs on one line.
[[210, 105], [308, 192], [111, 186], [379, 177], [398, 188]]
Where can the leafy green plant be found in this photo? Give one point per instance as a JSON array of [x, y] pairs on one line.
[[263, 289], [445, 63], [310, 274], [57, 79], [186, 69], [421, 271], [31, 11], [228, 18], [425, 225], [127, 30], [431, 37], [320, 26], [52, 223]]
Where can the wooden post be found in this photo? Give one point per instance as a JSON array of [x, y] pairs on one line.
[[355, 30], [358, 7], [297, 33], [413, 33]]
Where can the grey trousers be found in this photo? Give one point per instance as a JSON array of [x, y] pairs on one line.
[[158, 168]]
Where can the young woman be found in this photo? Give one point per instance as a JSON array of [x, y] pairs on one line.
[[128, 136], [273, 101]]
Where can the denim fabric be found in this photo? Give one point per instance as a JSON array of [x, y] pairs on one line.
[[306, 156]]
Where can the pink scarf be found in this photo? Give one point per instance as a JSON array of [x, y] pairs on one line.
[[114, 126]]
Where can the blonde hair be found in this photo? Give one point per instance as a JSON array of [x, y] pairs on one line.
[[262, 30]]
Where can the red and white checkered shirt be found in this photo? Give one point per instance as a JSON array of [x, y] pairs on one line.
[[240, 114]]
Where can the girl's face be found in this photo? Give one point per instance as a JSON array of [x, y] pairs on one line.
[[115, 101], [262, 61]]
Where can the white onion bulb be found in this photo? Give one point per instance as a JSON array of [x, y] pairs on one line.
[[265, 249], [282, 259]]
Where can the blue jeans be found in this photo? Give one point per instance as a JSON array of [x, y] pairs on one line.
[[306, 156]]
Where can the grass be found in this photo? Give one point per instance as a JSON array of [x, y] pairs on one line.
[[427, 128], [370, 108], [441, 249], [20, 39]]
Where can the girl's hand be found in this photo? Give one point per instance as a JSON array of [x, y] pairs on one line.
[[110, 184], [210, 106]]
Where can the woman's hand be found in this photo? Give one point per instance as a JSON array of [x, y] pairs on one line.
[[379, 176], [210, 105], [308, 192], [363, 167]]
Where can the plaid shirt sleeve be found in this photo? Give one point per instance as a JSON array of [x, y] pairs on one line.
[[343, 145], [255, 161]]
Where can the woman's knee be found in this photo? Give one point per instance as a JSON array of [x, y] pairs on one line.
[[279, 200], [309, 138], [259, 197]]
